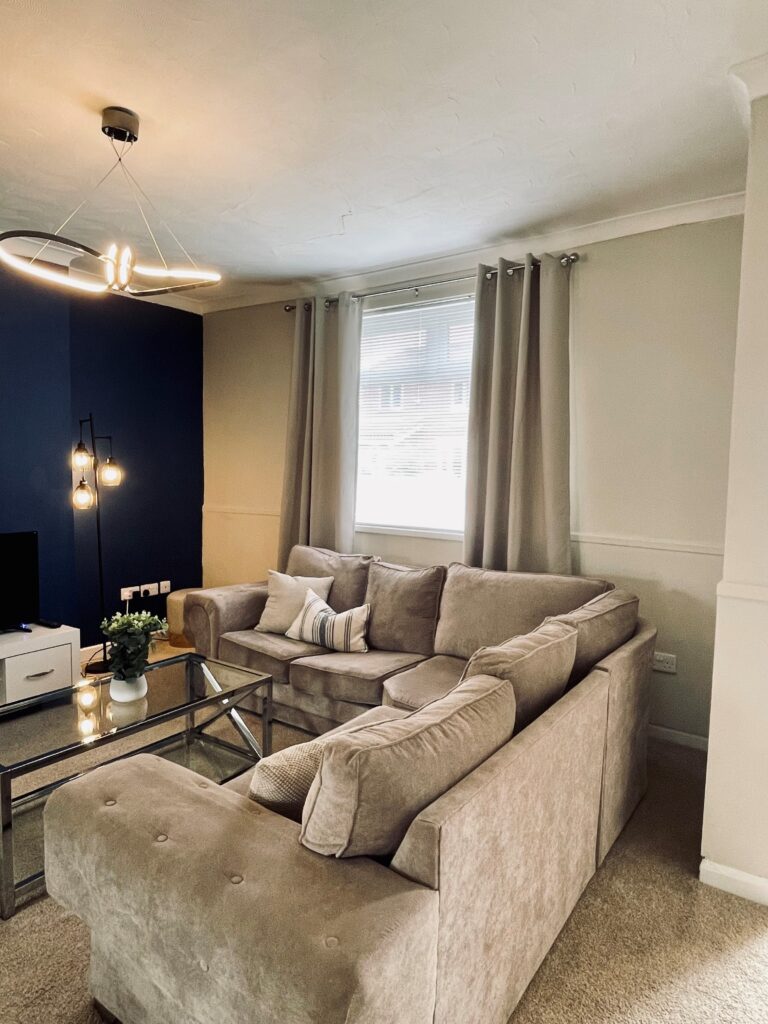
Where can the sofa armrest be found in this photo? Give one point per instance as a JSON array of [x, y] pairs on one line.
[[510, 849], [626, 744], [225, 913], [209, 613]]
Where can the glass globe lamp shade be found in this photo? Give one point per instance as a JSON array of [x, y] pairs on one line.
[[81, 457], [82, 497], [110, 473]]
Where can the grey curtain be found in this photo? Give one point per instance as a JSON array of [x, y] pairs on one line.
[[518, 488], [320, 475]]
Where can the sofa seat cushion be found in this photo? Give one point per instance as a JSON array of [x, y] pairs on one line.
[[404, 606], [425, 682], [282, 780], [602, 625], [354, 677], [265, 652], [538, 665], [350, 573], [373, 781], [483, 607]]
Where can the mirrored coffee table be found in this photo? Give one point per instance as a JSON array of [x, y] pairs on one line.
[[192, 704]]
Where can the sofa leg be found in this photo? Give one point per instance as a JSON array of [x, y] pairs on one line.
[[104, 1013]]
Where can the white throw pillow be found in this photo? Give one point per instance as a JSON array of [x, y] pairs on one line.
[[317, 623], [285, 599]]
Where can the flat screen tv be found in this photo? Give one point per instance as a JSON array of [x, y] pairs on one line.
[[19, 580]]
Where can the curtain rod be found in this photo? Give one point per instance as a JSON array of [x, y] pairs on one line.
[[566, 260]]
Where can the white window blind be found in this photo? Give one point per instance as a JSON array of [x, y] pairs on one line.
[[415, 371]]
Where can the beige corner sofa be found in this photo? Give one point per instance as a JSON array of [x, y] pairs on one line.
[[205, 907], [422, 631]]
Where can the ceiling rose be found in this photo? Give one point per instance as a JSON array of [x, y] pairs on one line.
[[55, 259]]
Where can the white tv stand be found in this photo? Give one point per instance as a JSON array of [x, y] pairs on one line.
[[38, 662]]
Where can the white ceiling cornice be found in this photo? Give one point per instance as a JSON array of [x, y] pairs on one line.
[[713, 208], [753, 76]]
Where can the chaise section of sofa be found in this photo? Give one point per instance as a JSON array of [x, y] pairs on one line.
[[204, 907]]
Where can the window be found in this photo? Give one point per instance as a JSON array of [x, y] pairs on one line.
[[415, 365]]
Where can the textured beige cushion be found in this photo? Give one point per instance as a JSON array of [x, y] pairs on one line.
[[285, 599], [374, 781], [265, 652], [355, 677], [404, 605], [482, 607], [423, 683], [537, 665], [602, 625], [350, 573], [282, 780]]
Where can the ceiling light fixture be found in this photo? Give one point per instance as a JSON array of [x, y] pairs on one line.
[[50, 257]]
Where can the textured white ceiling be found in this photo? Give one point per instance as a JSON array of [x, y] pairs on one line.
[[318, 138]]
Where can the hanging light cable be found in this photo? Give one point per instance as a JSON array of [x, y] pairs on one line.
[[78, 266]]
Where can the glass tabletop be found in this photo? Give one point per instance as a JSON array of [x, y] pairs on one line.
[[42, 730]]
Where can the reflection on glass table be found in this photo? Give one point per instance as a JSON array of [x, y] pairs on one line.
[[191, 714]]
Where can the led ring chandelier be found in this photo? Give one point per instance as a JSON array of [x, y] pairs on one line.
[[50, 257]]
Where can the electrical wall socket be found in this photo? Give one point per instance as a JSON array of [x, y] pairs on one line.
[[165, 586], [149, 589], [665, 663], [127, 593]]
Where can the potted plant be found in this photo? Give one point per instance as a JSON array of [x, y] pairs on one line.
[[130, 636]]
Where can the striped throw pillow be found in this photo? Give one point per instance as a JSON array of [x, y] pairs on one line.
[[317, 623]]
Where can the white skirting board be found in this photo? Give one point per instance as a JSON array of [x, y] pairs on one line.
[[739, 883], [682, 739]]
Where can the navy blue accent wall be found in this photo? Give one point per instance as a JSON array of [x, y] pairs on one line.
[[35, 419], [138, 368]]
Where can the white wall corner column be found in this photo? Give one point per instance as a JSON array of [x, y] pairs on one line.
[[735, 837]]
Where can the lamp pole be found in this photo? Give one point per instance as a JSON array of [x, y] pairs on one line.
[[113, 477]]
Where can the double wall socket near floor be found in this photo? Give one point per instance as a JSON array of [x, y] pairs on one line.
[[665, 663]]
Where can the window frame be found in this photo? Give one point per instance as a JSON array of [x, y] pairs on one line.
[[419, 295]]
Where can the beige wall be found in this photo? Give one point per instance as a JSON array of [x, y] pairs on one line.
[[247, 368], [653, 340], [653, 329]]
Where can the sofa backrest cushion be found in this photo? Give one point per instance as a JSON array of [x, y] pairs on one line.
[[350, 573], [285, 599], [602, 624], [282, 780], [373, 782], [483, 607], [404, 606], [538, 665]]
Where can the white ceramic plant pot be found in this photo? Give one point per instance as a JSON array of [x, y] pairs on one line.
[[123, 691], [121, 715]]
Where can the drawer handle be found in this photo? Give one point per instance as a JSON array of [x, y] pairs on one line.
[[39, 675]]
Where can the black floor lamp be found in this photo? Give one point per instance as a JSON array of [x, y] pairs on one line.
[[85, 497]]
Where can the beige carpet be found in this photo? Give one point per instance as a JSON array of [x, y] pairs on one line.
[[647, 943]]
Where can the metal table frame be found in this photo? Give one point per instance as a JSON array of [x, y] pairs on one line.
[[10, 891]]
